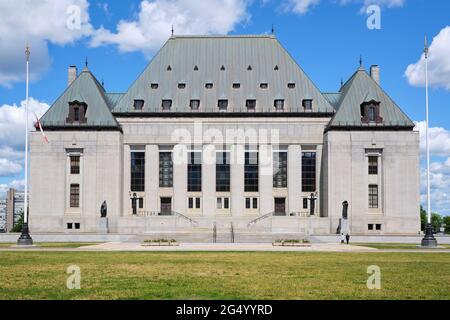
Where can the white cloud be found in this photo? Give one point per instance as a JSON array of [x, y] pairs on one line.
[[303, 6], [38, 23], [155, 19], [439, 140], [300, 6], [439, 169], [15, 184], [9, 168], [438, 63]]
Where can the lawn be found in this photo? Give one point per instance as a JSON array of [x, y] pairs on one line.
[[396, 246], [224, 275]]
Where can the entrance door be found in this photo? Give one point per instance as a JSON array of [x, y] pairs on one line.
[[280, 206], [166, 206]]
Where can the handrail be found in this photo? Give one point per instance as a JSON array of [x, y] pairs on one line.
[[171, 213], [253, 222]]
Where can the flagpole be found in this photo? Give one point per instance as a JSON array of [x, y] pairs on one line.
[[429, 240], [25, 238]]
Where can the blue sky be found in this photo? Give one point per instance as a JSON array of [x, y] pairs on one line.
[[326, 37]]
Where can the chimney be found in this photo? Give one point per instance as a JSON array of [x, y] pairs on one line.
[[375, 73], [72, 75]]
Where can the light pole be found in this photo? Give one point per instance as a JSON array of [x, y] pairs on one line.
[[25, 238], [429, 241]]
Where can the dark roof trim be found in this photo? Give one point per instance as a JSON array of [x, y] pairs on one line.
[[81, 128], [223, 114], [370, 128]]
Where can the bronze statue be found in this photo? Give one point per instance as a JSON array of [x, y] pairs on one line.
[[103, 210]]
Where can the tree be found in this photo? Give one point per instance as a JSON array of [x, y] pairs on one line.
[[446, 221], [423, 218], [436, 221], [19, 223]]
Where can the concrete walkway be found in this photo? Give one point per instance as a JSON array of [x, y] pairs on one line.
[[219, 247]]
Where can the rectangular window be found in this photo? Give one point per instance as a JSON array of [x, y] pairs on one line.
[[138, 171], [378, 227], [307, 104], [194, 172], [141, 203], [251, 105], [373, 165], [138, 104], [223, 105], [69, 226], [280, 169], [194, 203], [305, 203], [251, 203], [74, 195], [223, 203], [165, 170], [370, 227], [166, 105], [194, 104], [308, 171], [279, 104], [74, 164], [76, 113], [77, 226], [223, 172], [251, 172], [373, 196]]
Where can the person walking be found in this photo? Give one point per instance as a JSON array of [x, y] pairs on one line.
[[347, 238]]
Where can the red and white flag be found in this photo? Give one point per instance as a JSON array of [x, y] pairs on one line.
[[38, 125]]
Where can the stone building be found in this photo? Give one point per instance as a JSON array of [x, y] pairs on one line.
[[225, 131]]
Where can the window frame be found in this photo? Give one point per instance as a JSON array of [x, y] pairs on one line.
[[374, 197], [74, 196]]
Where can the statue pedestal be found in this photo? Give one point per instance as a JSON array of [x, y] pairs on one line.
[[102, 226], [344, 226]]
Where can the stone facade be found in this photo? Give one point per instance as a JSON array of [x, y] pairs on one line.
[[307, 157]]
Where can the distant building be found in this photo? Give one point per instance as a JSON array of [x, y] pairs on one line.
[[2, 215], [14, 207]]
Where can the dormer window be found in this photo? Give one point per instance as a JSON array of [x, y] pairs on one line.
[[249, 68], [195, 68], [279, 104], [166, 105], [370, 112], [276, 68], [250, 104], [154, 86], [169, 68], [209, 86], [138, 105], [195, 105], [77, 112], [263, 85], [223, 105], [181, 85], [222, 68], [236, 85], [307, 104], [291, 85]]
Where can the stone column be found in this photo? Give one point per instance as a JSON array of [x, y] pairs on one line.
[[209, 180], [180, 179], [294, 178], [151, 177], [266, 198], [126, 211], [237, 156]]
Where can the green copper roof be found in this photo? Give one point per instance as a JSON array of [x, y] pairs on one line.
[[333, 98], [223, 61], [362, 88], [85, 89]]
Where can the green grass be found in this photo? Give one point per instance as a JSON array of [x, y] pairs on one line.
[[224, 275], [53, 244], [395, 246]]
